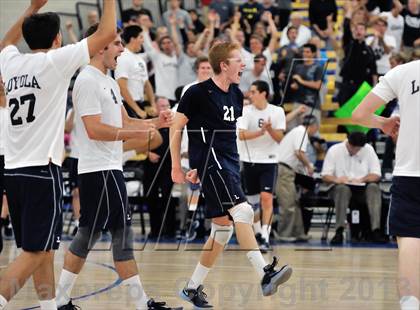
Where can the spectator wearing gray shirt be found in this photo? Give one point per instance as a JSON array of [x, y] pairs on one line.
[[259, 72], [180, 14], [225, 9]]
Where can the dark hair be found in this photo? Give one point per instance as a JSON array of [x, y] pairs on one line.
[[40, 30], [92, 29], [130, 32], [311, 46], [259, 56], [262, 86], [291, 28], [309, 120], [257, 37], [164, 38], [382, 20], [199, 60], [357, 138]]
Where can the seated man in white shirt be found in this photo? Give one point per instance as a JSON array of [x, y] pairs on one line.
[[353, 167], [293, 159]]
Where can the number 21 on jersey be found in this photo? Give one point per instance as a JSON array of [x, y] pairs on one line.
[[229, 114]]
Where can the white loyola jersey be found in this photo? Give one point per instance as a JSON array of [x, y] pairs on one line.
[[264, 149], [36, 90], [403, 83], [95, 93]]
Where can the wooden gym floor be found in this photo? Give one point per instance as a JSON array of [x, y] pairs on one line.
[[324, 278]]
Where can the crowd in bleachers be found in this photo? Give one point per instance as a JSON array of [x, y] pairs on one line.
[[314, 55]]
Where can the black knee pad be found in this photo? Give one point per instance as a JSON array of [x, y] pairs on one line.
[[122, 244], [83, 242]]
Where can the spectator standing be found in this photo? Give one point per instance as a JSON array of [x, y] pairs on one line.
[[395, 23], [307, 81], [285, 8], [304, 33], [181, 16], [382, 45], [251, 12], [165, 63], [359, 63], [225, 9], [259, 72], [319, 10], [411, 34], [133, 13]]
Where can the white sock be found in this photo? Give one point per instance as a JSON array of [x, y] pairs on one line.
[[48, 304], [409, 303], [65, 286], [198, 276], [257, 227], [3, 302], [265, 234], [76, 223], [257, 261], [136, 292]]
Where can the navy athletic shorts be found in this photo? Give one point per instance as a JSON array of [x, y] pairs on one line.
[[1, 180], [72, 166], [222, 190], [35, 203], [259, 178], [103, 200], [404, 212]]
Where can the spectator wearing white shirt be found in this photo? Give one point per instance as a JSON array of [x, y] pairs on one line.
[[237, 35], [304, 33], [203, 70], [382, 45], [354, 169], [259, 72], [395, 23], [165, 62], [292, 156], [132, 76]]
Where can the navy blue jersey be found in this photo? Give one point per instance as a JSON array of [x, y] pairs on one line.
[[212, 115]]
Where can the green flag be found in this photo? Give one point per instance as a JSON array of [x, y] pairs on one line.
[[347, 109]]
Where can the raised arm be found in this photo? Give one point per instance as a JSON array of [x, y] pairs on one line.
[[235, 27], [107, 29], [13, 36], [70, 32], [173, 21], [274, 33]]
